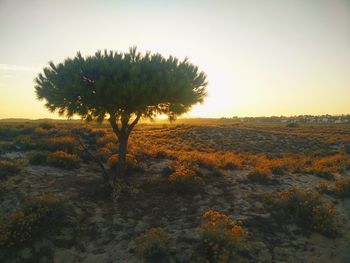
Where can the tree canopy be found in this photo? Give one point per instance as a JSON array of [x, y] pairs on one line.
[[116, 83], [123, 87]]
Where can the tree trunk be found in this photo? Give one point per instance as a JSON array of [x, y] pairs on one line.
[[123, 149], [123, 135]]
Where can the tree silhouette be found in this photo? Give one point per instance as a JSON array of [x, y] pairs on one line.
[[122, 87]]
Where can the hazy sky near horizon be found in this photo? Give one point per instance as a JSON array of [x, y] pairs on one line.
[[273, 57]]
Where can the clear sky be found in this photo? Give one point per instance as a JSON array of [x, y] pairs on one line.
[[273, 57]]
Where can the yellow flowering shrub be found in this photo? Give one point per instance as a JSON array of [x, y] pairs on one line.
[[64, 160], [64, 143], [329, 165], [220, 235], [153, 245], [341, 187], [26, 222], [185, 178], [323, 187], [306, 208]]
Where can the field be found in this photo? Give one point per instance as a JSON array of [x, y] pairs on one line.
[[195, 192]]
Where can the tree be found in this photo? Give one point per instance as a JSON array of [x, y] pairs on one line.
[[122, 87]]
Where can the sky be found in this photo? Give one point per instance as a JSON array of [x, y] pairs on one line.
[[262, 58]]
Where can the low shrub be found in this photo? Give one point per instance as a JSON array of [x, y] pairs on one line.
[[36, 215], [123, 190], [9, 168], [47, 125], [184, 178], [260, 175], [64, 160], [341, 187], [305, 208], [25, 142], [153, 245], [292, 125], [328, 166], [8, 133], [65, 143], [219, 236], [323, 187], [105, 152], [38, 158], [107, 139], [214, 160]]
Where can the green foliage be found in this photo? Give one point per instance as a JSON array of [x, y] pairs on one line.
[[153, 245], [116, 83], [64, 160], [35, 216], [220, 235], [305, 208], [9, 168]]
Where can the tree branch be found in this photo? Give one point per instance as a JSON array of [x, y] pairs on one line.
[[114, 124], [105, 174], [135, 121]]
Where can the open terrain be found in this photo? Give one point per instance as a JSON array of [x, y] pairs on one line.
[[216, 192]]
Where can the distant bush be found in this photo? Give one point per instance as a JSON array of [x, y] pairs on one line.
[[36, 215], [215, 160], [64, 160], [328, 166], [219, 236], [9, 168], [305, 208], [260, 175], [8, 133], [38, 158], [65, 143], [47, 125], [184, 178], [293, 125], [153, 246], [25, 142]]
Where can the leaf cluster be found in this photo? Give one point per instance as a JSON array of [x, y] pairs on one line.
[[117, 84]]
